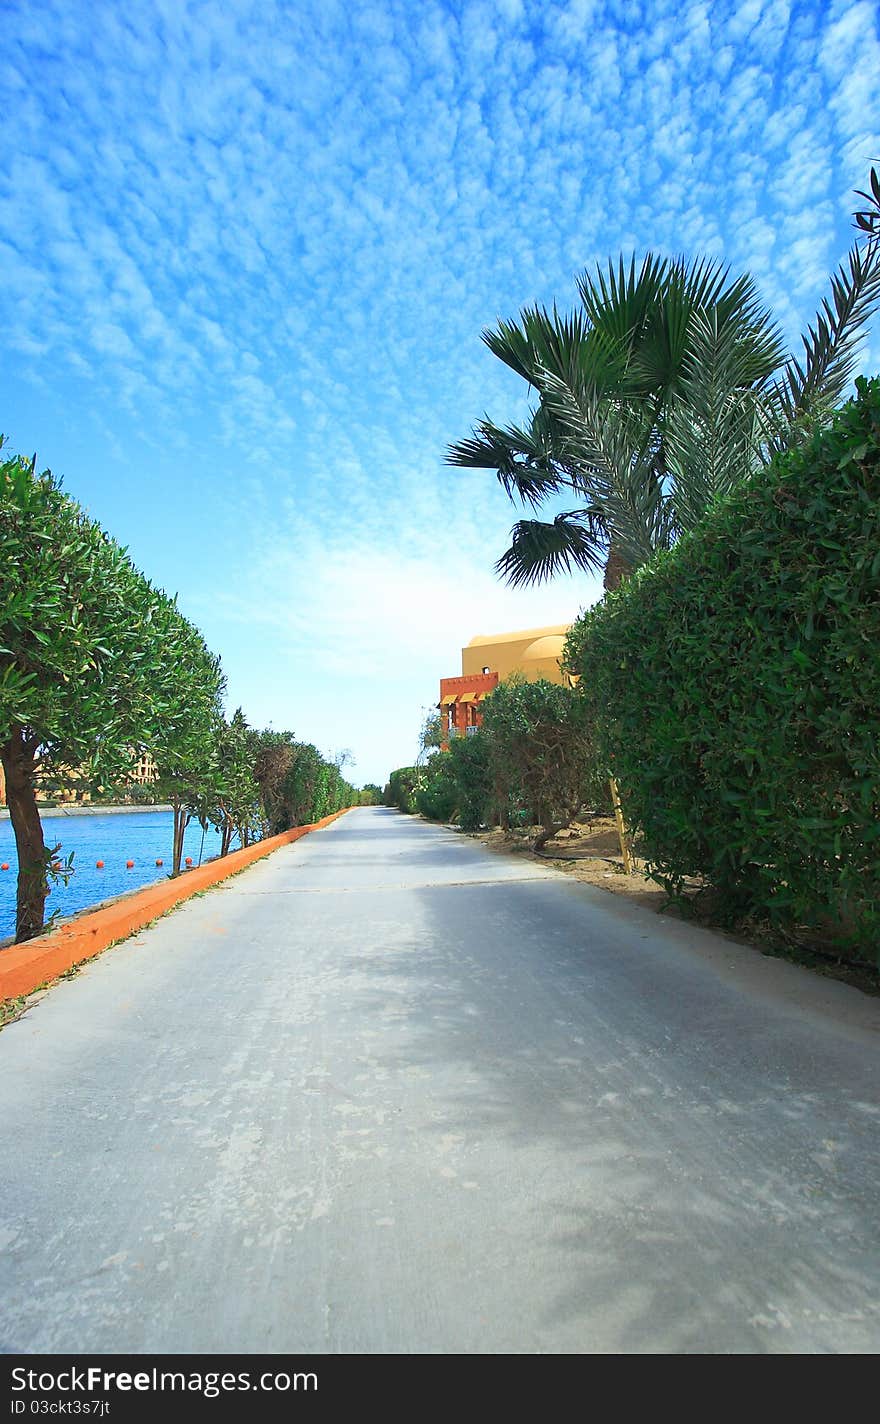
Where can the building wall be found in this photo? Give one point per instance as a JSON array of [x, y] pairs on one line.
[[533, 652], [144, 770]]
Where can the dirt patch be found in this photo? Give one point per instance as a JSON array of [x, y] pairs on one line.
[[590, 852]]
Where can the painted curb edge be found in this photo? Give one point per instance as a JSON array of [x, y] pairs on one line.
[[23, 967]]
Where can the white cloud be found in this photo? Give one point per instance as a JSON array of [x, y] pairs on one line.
[[260, 242]]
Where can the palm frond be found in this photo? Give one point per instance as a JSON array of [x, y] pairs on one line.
[[524, 460], [611, 452], [702, 282], [617, 302], [665, 351], [711, 434], [538, 551], [511, 343], [811, 386], [762, 349], [543, 339]]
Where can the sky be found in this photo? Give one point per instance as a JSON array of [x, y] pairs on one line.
[[247, 250]]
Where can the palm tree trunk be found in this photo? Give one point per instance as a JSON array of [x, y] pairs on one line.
[[616, 569]]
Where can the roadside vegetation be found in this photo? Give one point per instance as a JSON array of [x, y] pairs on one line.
[[729, 681], [97, 665], [734, 685], [533, 764]]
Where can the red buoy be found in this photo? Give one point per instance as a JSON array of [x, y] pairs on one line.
[[129, 865], [159, 862], [99, 865], [5, 865], [189, 860]]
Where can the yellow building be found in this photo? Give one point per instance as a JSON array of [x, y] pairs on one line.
[[63, 787], [488, 659], [532, 652]]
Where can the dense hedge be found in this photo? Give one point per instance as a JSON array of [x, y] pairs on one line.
[[473, 781], [736, 687], [437, 798], [400, 789], [457, 784]]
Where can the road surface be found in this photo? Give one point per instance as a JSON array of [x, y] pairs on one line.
[[388, 1092]]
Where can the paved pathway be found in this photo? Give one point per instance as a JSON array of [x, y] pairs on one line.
[[387, 1092]]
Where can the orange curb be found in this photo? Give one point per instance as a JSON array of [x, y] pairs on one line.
[[25, 966]]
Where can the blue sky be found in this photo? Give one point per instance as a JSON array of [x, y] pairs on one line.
[[248, 249]]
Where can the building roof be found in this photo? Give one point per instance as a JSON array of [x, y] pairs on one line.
[[550, 646], [557, 630]]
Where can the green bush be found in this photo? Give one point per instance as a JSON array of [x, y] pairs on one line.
[[542, 753], [304, 786], [437, 798], [735, 684], [400, 790], [469, 760]]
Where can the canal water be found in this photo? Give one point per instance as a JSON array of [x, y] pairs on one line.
[[141, 836]]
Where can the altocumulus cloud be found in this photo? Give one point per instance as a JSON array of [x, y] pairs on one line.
[[259, 241]]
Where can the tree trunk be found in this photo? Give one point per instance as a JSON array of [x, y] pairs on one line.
[[33, 886], [546, 834], [616, 569], [181, 821]]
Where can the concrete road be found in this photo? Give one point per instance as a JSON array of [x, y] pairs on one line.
[[387, 1092]]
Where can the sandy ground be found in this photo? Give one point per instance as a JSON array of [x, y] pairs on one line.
[[590, 851]]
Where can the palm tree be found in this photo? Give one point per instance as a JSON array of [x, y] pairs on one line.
[[665, 387]]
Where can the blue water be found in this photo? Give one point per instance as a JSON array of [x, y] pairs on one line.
[[143, 836]]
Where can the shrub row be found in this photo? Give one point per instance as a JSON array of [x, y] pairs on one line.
[[532, 763], [735, 687], [400, 789]]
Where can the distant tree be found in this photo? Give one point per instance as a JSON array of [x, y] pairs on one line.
[[186, 740], [189, 782], [430, 736], [541, 748], [297, 784], [237, 808], [274, 756], [400, 789], [306, 786], [93, 660]]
